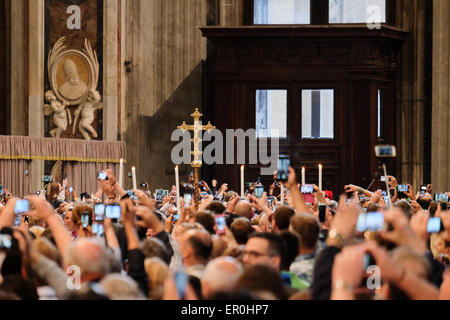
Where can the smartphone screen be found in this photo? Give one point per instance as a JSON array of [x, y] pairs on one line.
[[175, 217], [307, 189], [403, 188], [113, 211], [383, 178], [322, 213], [361, 225], [441, 197], [181, 282], [97, 229], [22, 206], [131, 194], [85, 219], [221, 224], [102, 176], [187, 198], [283, 167], [434, 225], [70, 189], [99, 210], [374, 221], [259, 190], [5, 241]]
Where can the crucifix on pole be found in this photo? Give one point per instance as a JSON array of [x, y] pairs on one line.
[[196, 163]]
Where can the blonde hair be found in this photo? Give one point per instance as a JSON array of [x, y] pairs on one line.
[[157, 272]]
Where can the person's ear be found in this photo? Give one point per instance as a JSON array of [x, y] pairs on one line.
[[276, 261]]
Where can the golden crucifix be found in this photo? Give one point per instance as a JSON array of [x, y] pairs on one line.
[[197, 128]]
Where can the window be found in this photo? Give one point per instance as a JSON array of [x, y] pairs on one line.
[[282, 12], [359, 11], [271, 113], [380, 113], [318, 114]]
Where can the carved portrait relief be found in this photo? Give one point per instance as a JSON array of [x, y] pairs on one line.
[[73, 77]]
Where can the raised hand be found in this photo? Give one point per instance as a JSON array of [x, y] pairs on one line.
[[402, 233], [410, 192], [392, 181], [344, 222]]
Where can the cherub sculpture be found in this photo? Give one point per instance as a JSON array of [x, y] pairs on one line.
[[87, 110], [60, 114]]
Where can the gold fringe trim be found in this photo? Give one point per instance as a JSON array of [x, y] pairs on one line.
[[20, 157]]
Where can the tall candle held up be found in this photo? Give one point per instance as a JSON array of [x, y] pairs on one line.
[[303, 175], [242, 181], [121, 173], [133, 172], [320, 177], [177, 183]]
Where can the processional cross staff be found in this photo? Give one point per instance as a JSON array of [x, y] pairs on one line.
[[197, 128]]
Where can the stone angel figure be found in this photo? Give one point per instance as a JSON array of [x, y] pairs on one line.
[[87, 109], [61, 114]]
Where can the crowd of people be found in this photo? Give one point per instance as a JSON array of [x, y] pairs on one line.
[[277, 245]]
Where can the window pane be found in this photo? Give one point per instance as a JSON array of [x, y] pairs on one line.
[[271, 113], [357, 11], [380, 112], [318, 114], [282, 12]]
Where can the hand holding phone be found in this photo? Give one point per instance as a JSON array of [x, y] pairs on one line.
[[434, 225], [22, 206], [187, 199], [283, 168], [102, 176], [221, 224]]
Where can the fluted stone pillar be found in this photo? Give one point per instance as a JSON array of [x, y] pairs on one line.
[[231, 12], [18, 54], [411, 100], [36, 70], [111, 62], [440, 157]]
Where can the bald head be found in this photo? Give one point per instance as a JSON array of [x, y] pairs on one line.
[[244, 209], [89, 255], [220, 275]]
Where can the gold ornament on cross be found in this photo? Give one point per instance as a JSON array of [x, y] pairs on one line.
[[196, 163]]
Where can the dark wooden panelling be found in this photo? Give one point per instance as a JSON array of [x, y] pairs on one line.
[[352, 60]]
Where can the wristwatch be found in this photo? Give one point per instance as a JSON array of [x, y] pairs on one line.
[[334, 235], [341, 285]]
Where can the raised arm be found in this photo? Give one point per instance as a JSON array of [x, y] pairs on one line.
[[296, 196], [43, 210]]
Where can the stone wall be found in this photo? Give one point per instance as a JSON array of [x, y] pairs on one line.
[[164, 54]]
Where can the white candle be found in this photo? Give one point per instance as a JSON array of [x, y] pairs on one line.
[[121, 173], [320, 177], [133, 171], [177, 183], [242, 181], [303, 175]]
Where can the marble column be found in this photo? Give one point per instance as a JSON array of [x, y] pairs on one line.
[[231, 12], [36, 82], [111, 62], [440, 155]]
